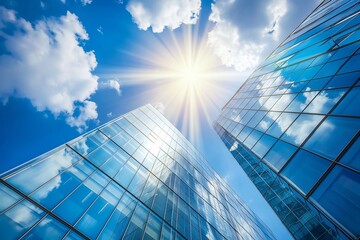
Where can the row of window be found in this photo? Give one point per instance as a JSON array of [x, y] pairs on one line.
[[299, 217], [149, 171]]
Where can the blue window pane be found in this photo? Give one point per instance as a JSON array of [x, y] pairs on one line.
[[324, 101], [301, 128], [93, 220], [339, 195], [148, 193], [256, 119], [266, 122], [281, 124], [115, 162], [111, 130], [304, 170], [8, 197], [344, 80], [121, 138], [138, 181], [16, 221], [118, 221], [352, 156], [153, 228], [316, 84], [252, 138], [167, 233], [127, 172], [301, 101], [244, 133], [183, 221], [160, 199], [140, 154], [81, 199], [280, 154], [131, 146], [100, 155], [48, 228], [137, 223], [263, 145], [283, 102], [332, 136], [351, 65], [35, 175], [73, 236], [51, 193], [350, 104], [330, 68], [89, 143]]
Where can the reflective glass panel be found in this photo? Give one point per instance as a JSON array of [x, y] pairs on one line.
[[301, 128], [37, 174], [48, 228], [8, 197], [350, 105], [352, 156], [20, 218], [304, 170], [332, 136], [263, 145], [339, 195], [324, 101], [279, 154]]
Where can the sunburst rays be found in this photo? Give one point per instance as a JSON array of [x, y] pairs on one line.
[[182, 73]]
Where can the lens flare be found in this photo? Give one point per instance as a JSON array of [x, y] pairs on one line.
[[181, 71]]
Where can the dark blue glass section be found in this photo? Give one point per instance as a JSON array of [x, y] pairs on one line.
[[339, 196], [263, 145], [352, 156], [304, 170], [20, 218], [332, 136], [350, 104], [48, 228], [279, 154], [8, 197]]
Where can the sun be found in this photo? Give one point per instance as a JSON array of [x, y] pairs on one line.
[[191, 76], [184, 75]]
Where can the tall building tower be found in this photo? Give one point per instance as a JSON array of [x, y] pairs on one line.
[[293, 126], [136, 177]]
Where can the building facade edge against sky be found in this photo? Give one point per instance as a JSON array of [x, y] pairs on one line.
[[87, 175], [320, 59]]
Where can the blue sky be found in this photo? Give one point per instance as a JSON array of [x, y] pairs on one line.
[[68, 66]]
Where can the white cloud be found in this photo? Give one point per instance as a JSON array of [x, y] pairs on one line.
[[87, 111], [231, 49], [237, 37], [110, 84], [163, 13], [46, 64], [84, 2], [276, 12]]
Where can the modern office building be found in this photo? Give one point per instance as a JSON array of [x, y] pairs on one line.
[[136, 177], [293, 126]]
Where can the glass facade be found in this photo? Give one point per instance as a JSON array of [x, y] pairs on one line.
[[135, 177], [293, 126]]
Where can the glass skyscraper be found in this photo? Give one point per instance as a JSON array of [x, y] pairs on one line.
[[293, 126], [135, 177]]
